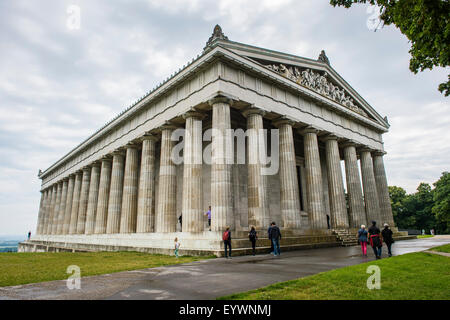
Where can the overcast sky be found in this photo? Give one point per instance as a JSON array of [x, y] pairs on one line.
[[58, 84]]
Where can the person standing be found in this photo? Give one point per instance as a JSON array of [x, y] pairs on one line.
[[208, 213], [180, 219], [362, 239], [226, 237], [375, 239], [275, 235], [29, 235], [252, 235], [387, 238], [177, 246], [269, 235]]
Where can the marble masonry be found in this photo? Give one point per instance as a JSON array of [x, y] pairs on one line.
[[123, 188]]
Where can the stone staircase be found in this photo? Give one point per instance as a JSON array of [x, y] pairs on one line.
[[346, 237]]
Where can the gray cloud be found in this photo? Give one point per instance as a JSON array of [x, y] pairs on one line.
[[58, 86]]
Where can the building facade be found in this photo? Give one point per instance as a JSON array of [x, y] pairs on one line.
[[256, 134]]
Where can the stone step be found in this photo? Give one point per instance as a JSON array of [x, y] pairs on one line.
[[245, 242]]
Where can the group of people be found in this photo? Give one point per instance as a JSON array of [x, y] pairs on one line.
[[376, 238]]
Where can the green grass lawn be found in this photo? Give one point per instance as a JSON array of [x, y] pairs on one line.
[[22, 268], [444, 248], [411, 276], [422, 236]]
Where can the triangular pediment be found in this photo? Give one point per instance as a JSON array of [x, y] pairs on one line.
[[316, 75]]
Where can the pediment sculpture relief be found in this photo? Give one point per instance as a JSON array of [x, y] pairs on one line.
[[319, 83]]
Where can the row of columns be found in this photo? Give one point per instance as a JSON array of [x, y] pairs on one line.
[[117, 196]]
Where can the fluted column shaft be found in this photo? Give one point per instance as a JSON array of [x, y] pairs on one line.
[[84, 198], [41, 213], [371, 201], [166, 220], [338, 205], [68, 208], [382, 189], [317, 216], [92, 199], [192, 175], [146, 202], [115, 194], [75, 203], [357, 214], [103, 197], [289, 192], [56, 208], [258, 204], [48, 211], [221, 159], [62, 207], [130, 191]]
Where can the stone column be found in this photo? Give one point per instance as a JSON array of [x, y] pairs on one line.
[[317, 216], [69, 201], [289, 192], [258, 201], [103, 197], [382, 189], [92, 199], [338, 205], [166, 220], [370, 189], [48, 211], [357, 214], [75, 203], [41, 213], [62, 207], [115, 193], [146, 200], [56, 208], [221, 159], [130, 190], [192, 175], [84, 197]]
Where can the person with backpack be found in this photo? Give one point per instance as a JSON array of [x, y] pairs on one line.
[[362, 239], [226, 237], [375, 239], [275, 235], [252, 236], [270, 238], [387, 238]]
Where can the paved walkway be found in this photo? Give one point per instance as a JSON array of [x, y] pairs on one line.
[[210, 278]]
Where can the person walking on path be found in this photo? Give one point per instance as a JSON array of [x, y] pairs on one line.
[[177, 246], [208, 213], [375, 239], [275, 235], [362, 239], [226, 237], [269, 235], [387, 238], [252, 236]]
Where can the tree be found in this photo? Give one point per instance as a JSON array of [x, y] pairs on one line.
[[397, 196], [425, 23], [441, 207]]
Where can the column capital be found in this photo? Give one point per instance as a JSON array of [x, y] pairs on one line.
[[220, 99], [194, 114], [106, 157], [379, 153], [282, 121], [86, 168], [308, 129], [349, 143], [130, 145], [366, 149], [329, 137], [149, 136], [118, 152], [168, 126], [253, 110]]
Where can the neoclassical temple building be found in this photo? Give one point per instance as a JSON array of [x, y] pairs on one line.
[[123, 188]]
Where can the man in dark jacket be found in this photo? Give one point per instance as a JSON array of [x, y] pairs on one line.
[[275, 235], [375, 239], [387, 238]]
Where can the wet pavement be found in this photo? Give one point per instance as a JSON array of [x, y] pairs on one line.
[[210, 279]]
